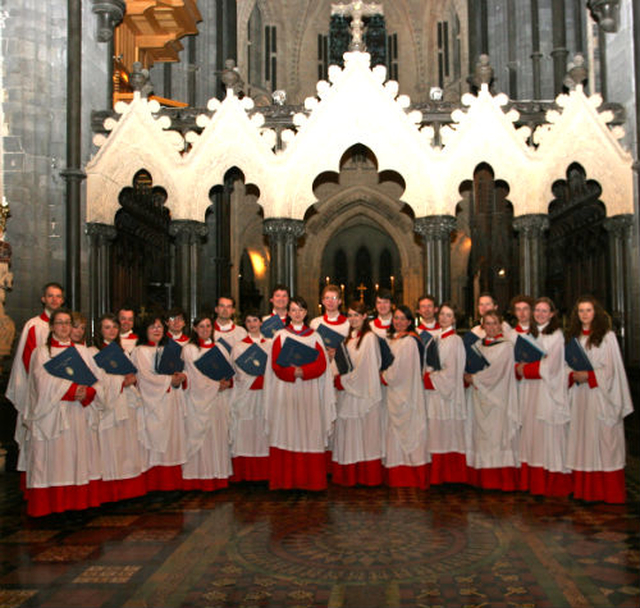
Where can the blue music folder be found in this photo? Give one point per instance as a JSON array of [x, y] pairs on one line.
[[296, 353], [330, 337], [113, 360], [432, 356], [271, 325], [475, 360], [386, 356], [224, 343], [170, 361], [425, 337], [576, 358], [343, 359], [69, 365], [525, 351], [213, 364], [253, 360]]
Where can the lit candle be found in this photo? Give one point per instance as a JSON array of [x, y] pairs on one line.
[[342, 291], [377, 287], [326, 280], [393, 288]]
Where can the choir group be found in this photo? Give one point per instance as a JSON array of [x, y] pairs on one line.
[[398, 399]]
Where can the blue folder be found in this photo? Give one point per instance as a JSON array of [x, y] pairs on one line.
[[224, 343], [170, 360], [425, 337], [432, 356], [113, 360], [253, 360], [213, 364], [343, 359], [576, 358], [271, 325], [475, 361], [525, 351], [296, 353], [386, 356], [69, 365], [330, 337]]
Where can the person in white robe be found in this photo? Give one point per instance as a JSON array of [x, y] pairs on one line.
[[332, 317], [299, 409], [599, 400], [61, 475], [544, 403], [407, 458], [123, 457], [487, 303], [493, 413], [224, 328], [34, 333], [249, 440], [126, 319], [445, 403], [162, 424], [208, 465], [427, 311], [381, 323], [279, 301], [358, 435], [175, 326]]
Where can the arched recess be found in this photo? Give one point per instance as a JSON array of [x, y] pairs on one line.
[[577, 250], [142, 251], [360, 206], [487, 214], [234, 223]]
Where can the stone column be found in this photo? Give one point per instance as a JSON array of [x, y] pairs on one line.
[[188, 235], [435, 231], [531, 230], [283, 236], [100, 238], [620, 229]]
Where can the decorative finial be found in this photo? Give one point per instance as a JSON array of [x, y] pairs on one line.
[[483, 73], [139, 79], [577, 72]]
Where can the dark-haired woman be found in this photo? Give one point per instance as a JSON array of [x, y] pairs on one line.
[[208, 465], [445, 404], [544, 405], [59, 470], [406, 453], [493, 416], [249, 441], [299, 409], [123, 458], [162, 424], [357, 439], [598, 400]]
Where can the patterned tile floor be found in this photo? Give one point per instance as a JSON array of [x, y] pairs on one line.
[[248, 547]]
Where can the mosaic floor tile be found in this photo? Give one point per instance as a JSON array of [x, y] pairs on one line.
[[30, 536], [160, 534], [107, 574], [65, 553], [12, 598], [106, 521]]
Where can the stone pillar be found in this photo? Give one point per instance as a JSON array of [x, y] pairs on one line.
[[283, 236], [560, 51], [188, 235], [100, 238], [620, 229], [531, 230], [435, 231]]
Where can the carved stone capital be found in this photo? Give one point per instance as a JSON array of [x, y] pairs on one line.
[[101, 232], [435, 226], [283, 228], [188, 231], [606, 13], [619, 225], [110, 13], [531, 225]]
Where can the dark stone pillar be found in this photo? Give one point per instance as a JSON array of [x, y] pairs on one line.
[[283, 236], [435, 231], [620, 228], [188, 235], [100, 238], [531, 230], [536, 55], [560, 51]]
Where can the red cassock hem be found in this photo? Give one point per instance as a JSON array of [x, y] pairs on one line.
[[606, 486], [500, 478], [328, 459], [164, 478], [448, 468], [250, 468], [43, 501], [301, 470], [206, 485], [404, 476], [538, 481], [366, 473], [121, 489]]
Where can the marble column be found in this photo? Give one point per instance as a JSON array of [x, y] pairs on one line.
[[435, 231], [531, 230], [188, 235], [620, 228], [283, 236], [100, 239]]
